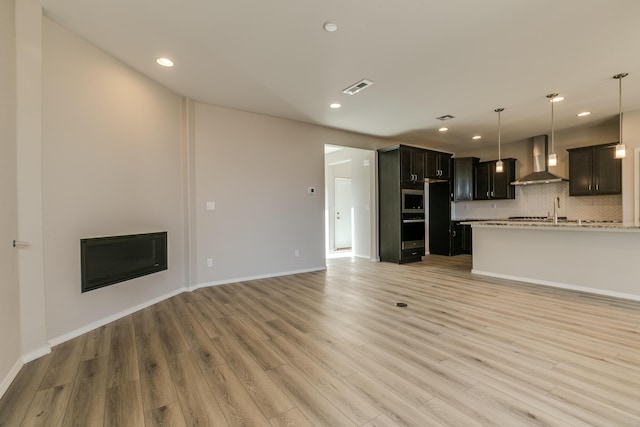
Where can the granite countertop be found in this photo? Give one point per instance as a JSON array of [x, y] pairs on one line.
[[561, 225], [477, 219]]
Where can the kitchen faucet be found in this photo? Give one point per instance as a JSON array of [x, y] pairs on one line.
[[555, 214]]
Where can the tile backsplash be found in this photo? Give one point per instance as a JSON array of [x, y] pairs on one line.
[[537, 200]]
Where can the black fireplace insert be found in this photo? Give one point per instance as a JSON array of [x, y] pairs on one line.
[[113, 259]]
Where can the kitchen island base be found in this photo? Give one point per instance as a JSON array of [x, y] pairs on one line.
[[600, 260]]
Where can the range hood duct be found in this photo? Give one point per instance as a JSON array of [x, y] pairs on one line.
[[540, 174]]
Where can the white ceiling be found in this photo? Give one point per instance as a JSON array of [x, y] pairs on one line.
[[427, 59]]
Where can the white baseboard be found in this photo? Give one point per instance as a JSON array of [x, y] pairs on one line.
[[36, 354], [263, 276], [95, 325], [559, 285], [6, 382], [90, 327], [11, 375]]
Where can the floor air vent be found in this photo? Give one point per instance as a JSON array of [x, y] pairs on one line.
[[357, 87]]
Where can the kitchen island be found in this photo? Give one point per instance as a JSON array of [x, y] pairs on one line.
[[602, 258]]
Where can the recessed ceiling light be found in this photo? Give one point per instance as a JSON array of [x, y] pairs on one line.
[[476, 137], [330, 26], [557, 98], [335, 105], [584, 113], [165, 62], [443, 129]]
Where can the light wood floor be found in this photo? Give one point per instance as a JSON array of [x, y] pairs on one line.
[[331, 349]]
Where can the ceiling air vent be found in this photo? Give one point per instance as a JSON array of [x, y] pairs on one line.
[[446, 117], [357, 87]]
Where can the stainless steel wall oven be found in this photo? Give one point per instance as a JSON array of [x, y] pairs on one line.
[[412, 201]]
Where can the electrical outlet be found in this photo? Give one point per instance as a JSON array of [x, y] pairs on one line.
[[211, 206], [209, 262], [311, 190], [296, 252]]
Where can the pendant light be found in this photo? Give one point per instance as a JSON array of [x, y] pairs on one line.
[[553, 159], [499, 166], [621, 151]]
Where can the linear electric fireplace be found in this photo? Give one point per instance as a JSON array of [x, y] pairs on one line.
[[114, 259]]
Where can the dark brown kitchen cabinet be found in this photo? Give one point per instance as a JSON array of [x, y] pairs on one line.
[[401, 225], [437, 165], [440, 230], [412, 164], [594, 171], [468, 239], [457, 238], [490, 185], [460, 238], [401, 228], [464, 170]]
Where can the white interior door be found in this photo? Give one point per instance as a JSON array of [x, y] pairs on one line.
[[343, 204]]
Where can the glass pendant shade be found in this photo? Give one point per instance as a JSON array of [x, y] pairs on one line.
[[499, 165], [552, 159], [621, 150]]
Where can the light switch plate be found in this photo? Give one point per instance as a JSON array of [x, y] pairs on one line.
[[211, 206]]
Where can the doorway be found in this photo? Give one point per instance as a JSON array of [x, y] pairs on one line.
[[342, 237], [350, 202]]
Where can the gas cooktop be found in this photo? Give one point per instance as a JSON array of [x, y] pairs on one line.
[[560, 218], [535, 218]]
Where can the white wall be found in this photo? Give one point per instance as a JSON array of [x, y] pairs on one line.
[[257, 169], [102, 150], [111, 164], [10, 350], [631, 138], [599, 133], [29, 174], [537, 200]]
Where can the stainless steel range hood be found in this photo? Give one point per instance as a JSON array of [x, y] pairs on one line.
[[540, 174]]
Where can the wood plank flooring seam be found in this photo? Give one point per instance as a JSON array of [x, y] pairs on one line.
[[330, 348]]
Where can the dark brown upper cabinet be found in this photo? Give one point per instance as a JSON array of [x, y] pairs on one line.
[[438, 165], [594, 171], [412, 162], [464, 177], [491, 185]]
